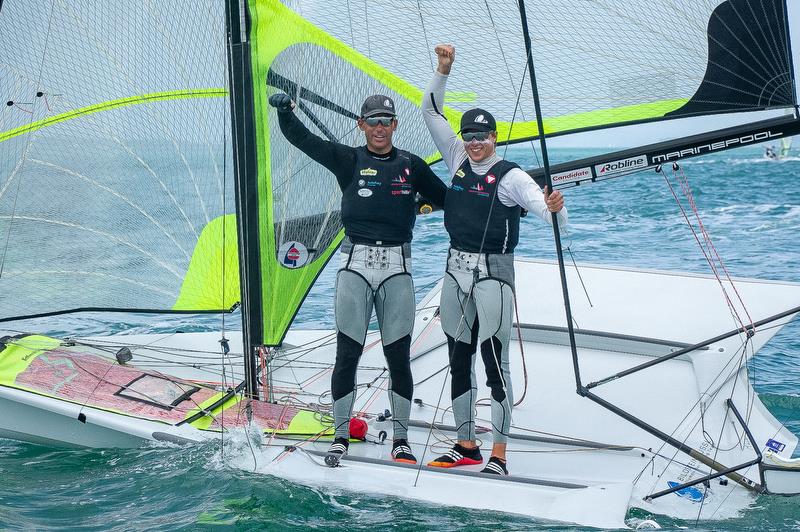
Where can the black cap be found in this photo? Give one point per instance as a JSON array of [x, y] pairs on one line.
[[377, 104], [477, 120]]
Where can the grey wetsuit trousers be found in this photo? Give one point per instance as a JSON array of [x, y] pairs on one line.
[[376, 277], [477, 309]]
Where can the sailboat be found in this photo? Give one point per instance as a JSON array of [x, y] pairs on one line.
[[142, 171]]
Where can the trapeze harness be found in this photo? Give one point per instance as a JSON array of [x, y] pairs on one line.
[[378, 213], [478, 293]]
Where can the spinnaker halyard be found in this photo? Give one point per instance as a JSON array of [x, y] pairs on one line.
[[154, 178]]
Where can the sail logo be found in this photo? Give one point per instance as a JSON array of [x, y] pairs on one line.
[[714, 146], [621, 166], [292, 254], [369, 171], [572, 176]]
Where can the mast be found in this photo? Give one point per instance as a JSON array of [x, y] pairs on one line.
[[245, 171], [549, 182]]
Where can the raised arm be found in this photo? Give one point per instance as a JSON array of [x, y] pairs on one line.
[[445, 139], [336, 157]]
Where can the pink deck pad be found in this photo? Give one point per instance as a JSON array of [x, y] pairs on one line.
[[92, 380]]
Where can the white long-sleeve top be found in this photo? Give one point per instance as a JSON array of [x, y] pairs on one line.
[[516, 187]]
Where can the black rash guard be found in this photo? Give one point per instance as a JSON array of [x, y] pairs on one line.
[[346, 163]]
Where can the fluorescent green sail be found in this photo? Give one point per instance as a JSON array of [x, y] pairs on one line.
[[284, 42], [212, 280]]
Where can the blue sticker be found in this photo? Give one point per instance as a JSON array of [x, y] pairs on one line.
[[776, 445], [691, 493]]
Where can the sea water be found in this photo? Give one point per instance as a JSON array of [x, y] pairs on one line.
[[750, 207]]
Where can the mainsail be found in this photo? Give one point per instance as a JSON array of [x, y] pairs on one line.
[[599, 65], [115, 167], [118, 147]]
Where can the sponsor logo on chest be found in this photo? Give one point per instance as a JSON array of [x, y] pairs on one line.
[[369, 172], [479, 189]]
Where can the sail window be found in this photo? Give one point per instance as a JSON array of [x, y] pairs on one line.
[[157, 391]]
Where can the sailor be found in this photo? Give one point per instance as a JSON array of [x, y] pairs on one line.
[[379, 184], [482, 214], [770, 153]]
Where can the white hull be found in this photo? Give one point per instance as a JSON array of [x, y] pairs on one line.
[[633, 317]]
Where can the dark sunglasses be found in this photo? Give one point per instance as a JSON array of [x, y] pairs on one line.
[[385, 121], [475, 135]]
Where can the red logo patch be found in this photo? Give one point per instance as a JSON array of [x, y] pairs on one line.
[[490, 179], [293, 253]]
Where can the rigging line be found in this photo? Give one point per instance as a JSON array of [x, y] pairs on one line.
[[366, 27], [350, 21], [722, 428], [521, 354], [703, 249], [430, 430], [690, 197], [155, 373], [103, 380], [710, 245], [28, 141], [580, 277], [425, 35], [704, 393], [511, 79]]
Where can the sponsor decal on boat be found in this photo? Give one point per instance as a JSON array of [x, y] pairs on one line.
[[573, 175], [292, 254], [621, 166], [364, 192], [691, 493], [761, 136], [369, 171], [775, 445]]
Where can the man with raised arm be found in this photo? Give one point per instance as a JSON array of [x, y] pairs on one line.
[[379, 184], [482, 212]]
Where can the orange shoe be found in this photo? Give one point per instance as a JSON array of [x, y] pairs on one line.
[[458, 456]]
